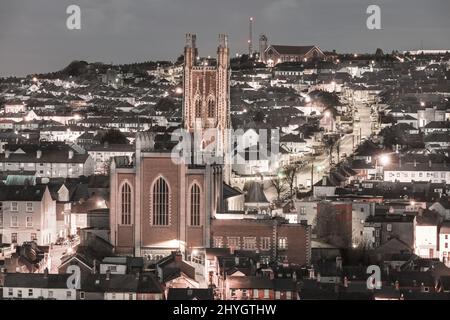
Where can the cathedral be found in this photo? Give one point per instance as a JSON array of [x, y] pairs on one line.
[[158, 206]]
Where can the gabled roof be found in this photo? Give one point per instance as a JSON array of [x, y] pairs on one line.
[[292, 50]]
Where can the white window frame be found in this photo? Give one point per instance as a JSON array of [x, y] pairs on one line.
[[29, 207], [14, 206], [29, 221], [14, 221]]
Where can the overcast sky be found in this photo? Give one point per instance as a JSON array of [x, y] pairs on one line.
[[34, 37]]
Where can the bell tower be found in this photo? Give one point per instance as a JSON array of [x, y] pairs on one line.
[[206, 99]]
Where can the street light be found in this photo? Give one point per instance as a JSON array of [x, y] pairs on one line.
[[179, 90], [384, 159]]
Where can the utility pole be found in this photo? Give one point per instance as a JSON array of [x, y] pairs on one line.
[[338, 147], [250, 37], [312, 176]]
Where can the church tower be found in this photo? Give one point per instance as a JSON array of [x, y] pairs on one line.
[[206, 101]]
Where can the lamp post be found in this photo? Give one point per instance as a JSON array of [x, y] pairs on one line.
[[384, 160]]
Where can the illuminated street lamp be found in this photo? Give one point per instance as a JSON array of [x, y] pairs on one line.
[[384, 159], [179, 90], [307, 99], [333, 83]]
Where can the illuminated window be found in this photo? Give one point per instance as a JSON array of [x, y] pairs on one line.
[[195, 205], [233, 242], [217, 242], [126, 204], [282, 243], [160, 203], [249, 243]]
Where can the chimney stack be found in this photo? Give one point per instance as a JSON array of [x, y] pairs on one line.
[[45, 273], [108, 275], [7, 153], [178, 256], [38, 154], [70, 154]]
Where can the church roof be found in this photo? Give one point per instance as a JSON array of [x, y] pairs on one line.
[[255, 193]]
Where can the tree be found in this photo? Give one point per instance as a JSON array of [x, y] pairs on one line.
[[259, 116], [290, 174], [165, 104], [279, 186], [113, 136]]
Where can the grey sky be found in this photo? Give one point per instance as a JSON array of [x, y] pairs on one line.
[[34, 37]]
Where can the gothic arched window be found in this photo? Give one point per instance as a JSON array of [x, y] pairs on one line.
[[211, 108], [160, 203], [125, 204], [195, 205], [198, 109]]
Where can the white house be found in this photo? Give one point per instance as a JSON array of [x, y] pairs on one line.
[[33, 286], [426, 235], [27, 213]]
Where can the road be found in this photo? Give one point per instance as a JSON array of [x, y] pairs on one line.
[[322, 163]]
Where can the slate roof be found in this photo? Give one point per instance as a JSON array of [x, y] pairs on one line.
[[190, 294], [22, 193], [140, 283], [36, 280]]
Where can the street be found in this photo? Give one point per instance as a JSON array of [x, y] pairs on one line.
[[361, 131]]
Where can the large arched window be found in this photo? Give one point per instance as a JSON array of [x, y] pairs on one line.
[[198, 108], [160, 203], [195, 205], [125, 204], [211, 108]]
